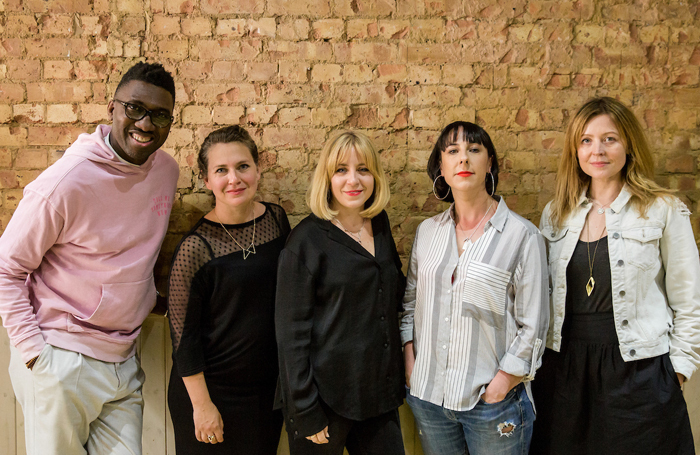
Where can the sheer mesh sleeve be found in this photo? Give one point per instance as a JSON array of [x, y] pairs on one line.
[[192, 253]]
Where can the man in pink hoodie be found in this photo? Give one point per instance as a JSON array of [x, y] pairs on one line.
[[76, 275]]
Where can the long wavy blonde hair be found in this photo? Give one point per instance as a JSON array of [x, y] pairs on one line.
[[637, 173]]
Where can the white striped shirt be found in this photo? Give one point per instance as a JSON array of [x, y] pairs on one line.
[[493, 315]]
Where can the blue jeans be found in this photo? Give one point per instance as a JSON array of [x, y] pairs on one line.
[[503, 428]]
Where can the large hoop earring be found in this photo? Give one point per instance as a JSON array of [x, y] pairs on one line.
[[493, 184], [435, 192]]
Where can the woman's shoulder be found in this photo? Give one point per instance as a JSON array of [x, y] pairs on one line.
[[307, 229]]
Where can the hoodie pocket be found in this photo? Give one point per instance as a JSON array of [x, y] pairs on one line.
[[121, 311]]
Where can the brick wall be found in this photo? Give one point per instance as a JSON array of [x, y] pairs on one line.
[[292, 71]]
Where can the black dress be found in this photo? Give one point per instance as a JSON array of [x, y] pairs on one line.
[[221, 310], [588, 399]]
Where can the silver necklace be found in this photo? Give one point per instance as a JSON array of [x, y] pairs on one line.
[[357, 236], [602, 208], [477, 226], [246, 251]]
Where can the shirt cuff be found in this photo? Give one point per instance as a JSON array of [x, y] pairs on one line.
[[31, 347], [514, 365]]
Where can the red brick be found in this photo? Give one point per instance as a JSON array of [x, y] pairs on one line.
[[364, 7], [134, 25], [229, 7], [28, 113], [12, 136], [391, 73], [314, 8], [27, 70], [94, 113], [11, 92], [231, 27], [197, 26], [52, 24], [5, 116], [8, 179], [11, 47], [21, 25], [57, 47], [165, 25], [31, 159], [5, 158], [291, 137], [228, 115], [434, 53], [42, 135], [96, 25], [77, 92], [173, 49], [366, 52], [327, 73], [227, 93], [68, 6], [262, 71], [229, 71], [293, 71], [328, 29], [58, 69], [91, 69], [293, 29]]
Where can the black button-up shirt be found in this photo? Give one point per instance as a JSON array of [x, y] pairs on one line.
[[336, 320]]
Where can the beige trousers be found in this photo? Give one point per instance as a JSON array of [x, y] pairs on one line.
[[76, 405]]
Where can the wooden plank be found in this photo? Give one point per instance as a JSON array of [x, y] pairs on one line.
[[7, 399], [153, 364], [169, 430], [691, 392]]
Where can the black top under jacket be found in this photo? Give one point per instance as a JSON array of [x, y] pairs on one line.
[[336, 320]]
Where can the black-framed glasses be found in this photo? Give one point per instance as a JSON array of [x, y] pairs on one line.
[[160, 118]]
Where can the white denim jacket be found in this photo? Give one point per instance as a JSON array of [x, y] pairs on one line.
[[655, 277]]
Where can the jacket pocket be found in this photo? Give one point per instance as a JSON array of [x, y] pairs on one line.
[[642, 246], [484, 296], [122, 309]]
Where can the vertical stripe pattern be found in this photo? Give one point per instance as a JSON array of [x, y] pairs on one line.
[[493, 315]]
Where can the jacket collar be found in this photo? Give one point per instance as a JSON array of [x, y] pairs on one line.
[[617, 205]]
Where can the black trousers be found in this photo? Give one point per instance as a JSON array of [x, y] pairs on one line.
[[379, 435]]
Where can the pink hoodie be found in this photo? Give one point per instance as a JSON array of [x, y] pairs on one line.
[[77, 258]]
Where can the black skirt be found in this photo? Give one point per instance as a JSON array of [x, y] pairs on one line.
[[590, 401], [251, 427]]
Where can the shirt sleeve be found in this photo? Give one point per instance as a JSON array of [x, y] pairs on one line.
[[679, 254], [185, 300], [34, 228], [294, 318], [409, 298], [531, 311]]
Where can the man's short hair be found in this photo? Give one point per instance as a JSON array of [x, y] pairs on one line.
[[151, 73]]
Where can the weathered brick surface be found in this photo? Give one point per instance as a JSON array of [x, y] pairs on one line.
[[295, 71]]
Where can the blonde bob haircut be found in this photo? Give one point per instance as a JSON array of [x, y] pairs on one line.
[[335, 152], [637, 173]]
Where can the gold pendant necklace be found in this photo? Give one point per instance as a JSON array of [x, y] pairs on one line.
[[591, 282], [246, 251]]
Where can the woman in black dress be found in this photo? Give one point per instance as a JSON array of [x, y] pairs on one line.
[[339, 292], [221, 306], [625, 290]]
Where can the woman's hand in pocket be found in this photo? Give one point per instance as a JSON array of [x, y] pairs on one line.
[[499, 387]]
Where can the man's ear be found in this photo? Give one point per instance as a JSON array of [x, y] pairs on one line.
[[110, 110]]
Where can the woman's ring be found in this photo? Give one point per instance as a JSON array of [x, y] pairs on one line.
[[211, 438]]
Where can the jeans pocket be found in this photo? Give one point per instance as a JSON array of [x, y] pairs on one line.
[[512, 393]]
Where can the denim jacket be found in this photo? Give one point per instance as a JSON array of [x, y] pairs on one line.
[[655, 277]]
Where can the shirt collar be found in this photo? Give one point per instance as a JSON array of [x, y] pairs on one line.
[[498, 220], [116, 154]]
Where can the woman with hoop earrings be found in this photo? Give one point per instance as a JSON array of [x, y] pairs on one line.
[[476, 307]]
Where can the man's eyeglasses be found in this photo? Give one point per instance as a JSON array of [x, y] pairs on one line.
[[161, 118]]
